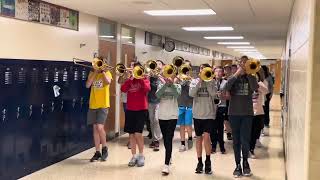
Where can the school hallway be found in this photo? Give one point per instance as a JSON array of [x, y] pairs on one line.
[[269, 164]]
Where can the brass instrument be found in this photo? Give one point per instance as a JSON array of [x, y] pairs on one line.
[[185, 72], [152, 68], [121, 69], [138, 72], [252, 66], [96, 63], [169, 71], [206, 74], [178, 61]]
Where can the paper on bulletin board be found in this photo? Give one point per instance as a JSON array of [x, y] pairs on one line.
[[54, 15], [64, 18], [45, 13], [8, 8], [34, 10], [73, 19], [22, 11]]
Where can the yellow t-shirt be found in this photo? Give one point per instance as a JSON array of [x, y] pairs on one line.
[[99, 95]]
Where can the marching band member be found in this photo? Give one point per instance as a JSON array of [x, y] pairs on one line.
[[227, 75], [168, 92], [241, 87], [204, 114], [136, 115], [185, 113], [99, 104], [218, 129]]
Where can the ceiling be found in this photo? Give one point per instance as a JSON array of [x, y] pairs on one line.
[[263, 23]]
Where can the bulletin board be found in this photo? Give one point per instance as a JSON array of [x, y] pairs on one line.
[[40, 12]]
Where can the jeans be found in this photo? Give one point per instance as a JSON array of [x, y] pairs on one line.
[[241, 131], [154, 122], [218, 128], [267, 110], [167, 128], [257, 126]]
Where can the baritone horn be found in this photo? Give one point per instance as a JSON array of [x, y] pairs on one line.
[[252, 66], [206, 74]]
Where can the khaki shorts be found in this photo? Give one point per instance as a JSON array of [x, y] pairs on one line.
[[97, 116]]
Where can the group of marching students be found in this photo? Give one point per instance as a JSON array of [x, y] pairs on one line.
[[234, 101]]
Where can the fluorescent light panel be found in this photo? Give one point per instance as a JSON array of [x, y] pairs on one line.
[[212, 28], [184, 12], [126, 37], [240, 47], [246, 50], [107, 36], [234, 43], [223, 37]]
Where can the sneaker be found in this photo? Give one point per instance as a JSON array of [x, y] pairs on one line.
[[213, 150], [140, 161], [156, 146], [96, 156], [190, 144], [207, 169], [165, 170], [252, 155], [266, 131], [246, 169], [223, 150], [104, 153], [199, 168], [238, 171], [152, 145], [182, 148], [132, 162], [258, 143], [229, 136]]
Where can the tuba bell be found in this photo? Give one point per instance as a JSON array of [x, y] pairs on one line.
[[206, 74], [252, 66], [169, 71], [178, 61]]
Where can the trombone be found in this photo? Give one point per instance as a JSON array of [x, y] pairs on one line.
[[169, 71], [152, 68], [97, 63], [206, 74], [252, 66], [185, 72], [178, 61]]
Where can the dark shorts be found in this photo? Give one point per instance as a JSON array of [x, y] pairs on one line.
[[202, 125], [97, 116], [134, 122]]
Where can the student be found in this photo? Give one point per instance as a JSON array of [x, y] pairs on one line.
[[185, 114], [228, 73], [241, 87], [153, 110], [269, 79], [136, 115], [258, 119], [204, 113], [168, 92], [218, 129], [99, 104]]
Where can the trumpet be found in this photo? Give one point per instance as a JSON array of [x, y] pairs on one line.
[[151, 68], [252, 66], [96, 63], [178, 61], [206, 74], [169, 71]]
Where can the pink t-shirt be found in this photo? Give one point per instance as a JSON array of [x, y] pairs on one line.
[[258, 98]]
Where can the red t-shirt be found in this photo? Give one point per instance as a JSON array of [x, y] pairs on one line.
[[137, 93]]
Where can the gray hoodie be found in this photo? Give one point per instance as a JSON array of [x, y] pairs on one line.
[[241, 89], [203, 94]]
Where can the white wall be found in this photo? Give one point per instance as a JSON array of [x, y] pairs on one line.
[[26, 40], [146, 52]]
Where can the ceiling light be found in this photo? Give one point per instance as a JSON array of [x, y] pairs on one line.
[[234, 43], [241, 47], [126, 37], [246, 50], [107, 36], [223, 37], [208, 28], [190, 12]]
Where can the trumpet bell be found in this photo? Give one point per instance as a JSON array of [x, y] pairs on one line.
[[252, 66], [120, 69], [206, 74], [138, 72], [178, 61], [169, 70]]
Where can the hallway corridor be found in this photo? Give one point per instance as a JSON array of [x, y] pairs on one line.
[[268, 166]]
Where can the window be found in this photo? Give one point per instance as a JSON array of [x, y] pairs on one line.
[[127, 34], [153, 39], [107, 29]]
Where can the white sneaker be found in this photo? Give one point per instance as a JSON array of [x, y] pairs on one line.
[[266, 131], [252, 156], [258, 143], [182, 148], [165, 170]]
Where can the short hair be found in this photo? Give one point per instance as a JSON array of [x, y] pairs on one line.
[[244, 57], [234, 65], [137, 63], [205, 65], [219, 67], [158, 60], [187, 61]]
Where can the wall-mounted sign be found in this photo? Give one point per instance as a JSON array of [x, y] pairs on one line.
[[40, 12]]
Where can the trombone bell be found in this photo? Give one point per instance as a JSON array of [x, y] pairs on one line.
[[206, 74], [169, 70], [252, 66], [138, 72], [178, 61]]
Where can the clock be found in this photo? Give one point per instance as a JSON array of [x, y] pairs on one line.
[[169, 45]]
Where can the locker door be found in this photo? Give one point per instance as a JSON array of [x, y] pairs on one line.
[[7, 124]]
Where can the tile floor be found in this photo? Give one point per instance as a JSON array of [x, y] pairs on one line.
[[268, 166]]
